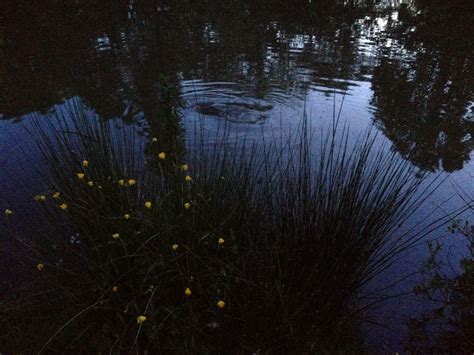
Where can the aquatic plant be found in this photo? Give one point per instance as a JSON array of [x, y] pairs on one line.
[[447, 325], [271, 242]]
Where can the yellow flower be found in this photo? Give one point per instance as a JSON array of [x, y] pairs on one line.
[[8, 212], [80, 175], [221, 304], [188, 178], [154, 139], [175, 247], [141, 319], [115, 289], [63, 206], [40, 198], [162, 155], [90, 183], [132, 182], [85, 163], [121, 182], [220, 241], [56, 195], [126, 216], [188, 292], [115, 235], [184, 167], [40, 267], [187, 205], [148, 204]]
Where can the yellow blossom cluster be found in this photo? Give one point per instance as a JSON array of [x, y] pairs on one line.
[[129, 182], [140, 319]]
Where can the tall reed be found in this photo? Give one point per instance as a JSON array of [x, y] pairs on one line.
[[243, 246]]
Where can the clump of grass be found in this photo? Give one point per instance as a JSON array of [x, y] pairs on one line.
[[238, 247]]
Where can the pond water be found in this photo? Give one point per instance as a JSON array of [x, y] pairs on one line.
[[259, 68]]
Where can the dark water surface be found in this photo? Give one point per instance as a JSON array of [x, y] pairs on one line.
[[407, 72]]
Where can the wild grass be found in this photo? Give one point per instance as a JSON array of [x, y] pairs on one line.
[[273, 240]]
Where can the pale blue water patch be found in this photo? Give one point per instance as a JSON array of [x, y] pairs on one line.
[[403, 276], [18, 162], [357, 111]]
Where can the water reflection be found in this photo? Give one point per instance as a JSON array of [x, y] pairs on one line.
[[423, 88], [145, 62], [128, 59]]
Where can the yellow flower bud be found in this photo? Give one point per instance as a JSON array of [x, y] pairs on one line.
[[175, 247], [162, 155], [221, 304], [115, 289], [141, 319], [90, 183], [132, 182], [80, 176], [154, 139], [187, 205], [126, 216], [40, 198], [188, 292], [8, 212], [63, 206], [40, 267], [188, 178], [121, 182], [220, 241], [56, 195], [115, 235], [184, 167], [148, 204], [85, 163]]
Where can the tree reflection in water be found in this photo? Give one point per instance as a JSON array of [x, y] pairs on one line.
[[423, 99], [114, 55]]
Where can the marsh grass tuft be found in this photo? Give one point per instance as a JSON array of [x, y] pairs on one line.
[[275, 240]]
